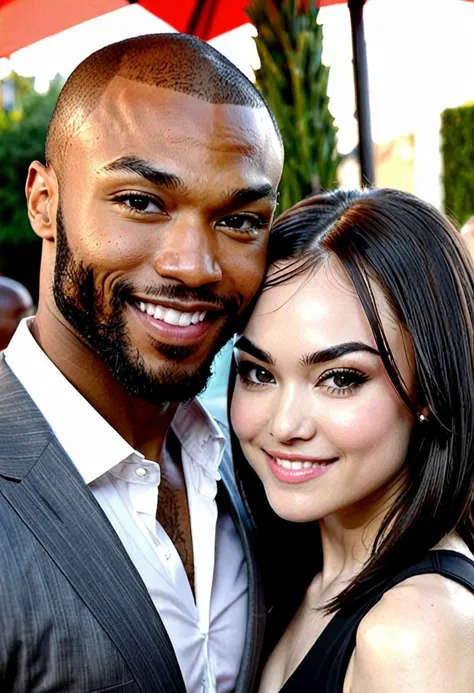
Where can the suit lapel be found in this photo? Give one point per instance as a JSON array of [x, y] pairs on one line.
[[250, 666], [59, 509]]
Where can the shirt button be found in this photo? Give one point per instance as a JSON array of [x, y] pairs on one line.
[[164, 552], [141, 472]]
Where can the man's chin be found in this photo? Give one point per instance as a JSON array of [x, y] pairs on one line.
[[168, 382], [175, 353], [158, 372]]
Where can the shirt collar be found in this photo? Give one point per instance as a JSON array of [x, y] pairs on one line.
[[88, 439], [200, 436]]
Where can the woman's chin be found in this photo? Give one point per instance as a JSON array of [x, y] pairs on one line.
[[293, 511]]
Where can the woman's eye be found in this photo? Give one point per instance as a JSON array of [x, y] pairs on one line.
[[342, 381], [260, 375], [253, 375], [140, 203], [243, 223]]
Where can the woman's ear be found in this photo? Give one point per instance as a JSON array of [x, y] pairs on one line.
[[42, 200]]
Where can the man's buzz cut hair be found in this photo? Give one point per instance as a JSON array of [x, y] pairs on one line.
[[179, 62]]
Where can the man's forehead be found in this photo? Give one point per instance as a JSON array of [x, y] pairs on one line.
[[160, 123], [131, 106]]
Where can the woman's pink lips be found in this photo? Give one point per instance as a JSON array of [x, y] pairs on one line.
[[297, 476], [172, 334]]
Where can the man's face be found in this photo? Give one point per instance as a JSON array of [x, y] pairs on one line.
[[165, 208]]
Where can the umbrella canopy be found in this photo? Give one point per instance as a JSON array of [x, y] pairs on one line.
[[23, 22]]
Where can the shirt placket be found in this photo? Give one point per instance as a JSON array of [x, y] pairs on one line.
[[203, 516], [141, 480]]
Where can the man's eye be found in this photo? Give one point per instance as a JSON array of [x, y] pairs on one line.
[[243, 223], [140, 203]]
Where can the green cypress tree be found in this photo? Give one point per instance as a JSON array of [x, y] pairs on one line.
[[457, 150], [294, 81]]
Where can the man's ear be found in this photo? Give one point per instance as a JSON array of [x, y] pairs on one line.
[[42, 200]]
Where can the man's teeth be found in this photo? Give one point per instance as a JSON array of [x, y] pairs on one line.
[[297, 465], [172, 316]]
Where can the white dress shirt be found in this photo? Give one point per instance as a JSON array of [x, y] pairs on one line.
[[207, 632]]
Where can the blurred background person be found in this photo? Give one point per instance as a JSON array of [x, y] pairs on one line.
[[468, 234], [15, 304]]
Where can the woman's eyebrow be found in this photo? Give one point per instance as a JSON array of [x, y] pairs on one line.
[[316, 357], [335, 352], [244, 344]]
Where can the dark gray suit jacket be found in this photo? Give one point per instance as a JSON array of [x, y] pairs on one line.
[[75, 615]]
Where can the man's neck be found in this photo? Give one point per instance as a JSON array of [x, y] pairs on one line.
[[144, 426]]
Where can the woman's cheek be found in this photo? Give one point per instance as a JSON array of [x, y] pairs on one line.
[[242, 414], [359, 425]]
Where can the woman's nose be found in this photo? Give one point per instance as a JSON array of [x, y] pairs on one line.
[[292, 418]]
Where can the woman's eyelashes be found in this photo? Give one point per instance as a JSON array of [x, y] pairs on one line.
[[342, 381], [337, 382]]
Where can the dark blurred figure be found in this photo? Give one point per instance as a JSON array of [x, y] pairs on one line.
[[15, 304]]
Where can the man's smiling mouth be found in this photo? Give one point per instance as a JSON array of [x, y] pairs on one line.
[[171, 316]]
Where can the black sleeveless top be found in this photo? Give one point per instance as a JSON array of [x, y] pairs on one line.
[[324, 668]]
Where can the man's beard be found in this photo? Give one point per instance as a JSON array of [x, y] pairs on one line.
[[103, 326]]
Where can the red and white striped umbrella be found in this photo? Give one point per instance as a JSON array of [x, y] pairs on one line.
[[23, 22]]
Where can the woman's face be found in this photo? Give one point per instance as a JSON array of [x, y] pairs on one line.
[[316, 413]]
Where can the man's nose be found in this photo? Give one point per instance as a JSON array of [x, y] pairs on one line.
[[189, 253]]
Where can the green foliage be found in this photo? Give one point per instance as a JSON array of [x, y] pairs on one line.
[[457, 148], [294, 81], [22, 139]]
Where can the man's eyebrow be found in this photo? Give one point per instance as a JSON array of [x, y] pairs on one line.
[[245, 196], [244, 344], [144, 169], [335, 352]]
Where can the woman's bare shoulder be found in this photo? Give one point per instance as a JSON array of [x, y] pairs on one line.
[[419, 637]]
